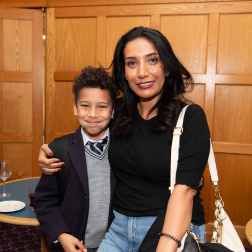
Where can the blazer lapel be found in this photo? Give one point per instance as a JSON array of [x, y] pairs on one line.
[[78, 158]]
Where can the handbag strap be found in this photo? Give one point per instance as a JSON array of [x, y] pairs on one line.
[[177, 131]]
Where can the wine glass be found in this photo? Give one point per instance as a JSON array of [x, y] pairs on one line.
[[5, 172]]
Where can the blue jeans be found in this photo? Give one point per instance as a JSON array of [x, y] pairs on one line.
[[199, 231], [127, 233]]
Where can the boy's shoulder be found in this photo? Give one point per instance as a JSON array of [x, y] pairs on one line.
[[65, 140], [61, 143]]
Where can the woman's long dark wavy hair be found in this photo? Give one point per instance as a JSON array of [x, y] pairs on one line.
[[171, 101]]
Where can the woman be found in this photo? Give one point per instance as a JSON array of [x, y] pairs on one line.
[[153, 82]]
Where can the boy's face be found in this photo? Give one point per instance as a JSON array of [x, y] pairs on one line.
[[94, 111]]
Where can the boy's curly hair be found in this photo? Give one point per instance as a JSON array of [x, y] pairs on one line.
[[91, 77]]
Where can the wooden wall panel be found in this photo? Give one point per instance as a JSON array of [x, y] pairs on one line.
[[235, 170], [21, 84], [76, 43], [235, 36], [64, 100], [116, 27], [197, 95], [17, 107], [101, 38], [20, 156], [233, 106], [188, 37], [17, 45]]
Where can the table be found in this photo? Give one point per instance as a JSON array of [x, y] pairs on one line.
[[19, 190], [248, 231]]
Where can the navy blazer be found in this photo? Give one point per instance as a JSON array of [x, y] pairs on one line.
[[72, 214]]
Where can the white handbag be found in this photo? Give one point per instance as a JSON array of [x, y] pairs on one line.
[[223, 229]]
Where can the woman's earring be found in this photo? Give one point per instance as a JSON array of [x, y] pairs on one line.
[[126, 77], [167, 74]]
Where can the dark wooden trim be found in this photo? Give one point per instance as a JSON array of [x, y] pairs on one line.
[[16, 137], [236, 79], [14, 12], [16, 76], [67, 3], [234, 148], [152, 9], [23, 3], [37, 111], [78, 3]]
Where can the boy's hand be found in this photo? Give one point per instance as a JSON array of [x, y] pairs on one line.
[[48, 166], [69, 243]]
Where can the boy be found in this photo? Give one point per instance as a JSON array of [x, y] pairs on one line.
[[85, 212]]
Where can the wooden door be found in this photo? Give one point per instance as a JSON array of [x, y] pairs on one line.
[[213, 41], [21, 89]]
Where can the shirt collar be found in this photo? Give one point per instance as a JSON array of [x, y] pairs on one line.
[[86, 138]]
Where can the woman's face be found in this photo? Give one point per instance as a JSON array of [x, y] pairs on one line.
[[144, 70]]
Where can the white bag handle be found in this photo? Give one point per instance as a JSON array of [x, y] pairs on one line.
[[175, 153]]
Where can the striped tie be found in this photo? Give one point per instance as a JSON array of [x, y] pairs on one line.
[[97, 147]]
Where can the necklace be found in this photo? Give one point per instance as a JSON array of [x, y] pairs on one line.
[[148, 118]]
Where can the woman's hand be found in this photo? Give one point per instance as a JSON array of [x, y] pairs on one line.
[[48, 165], [69, 243]]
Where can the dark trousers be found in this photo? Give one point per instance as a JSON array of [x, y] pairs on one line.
[[92, 250]]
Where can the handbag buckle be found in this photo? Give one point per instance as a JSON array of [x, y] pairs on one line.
[[178, 128], [217, 194]]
